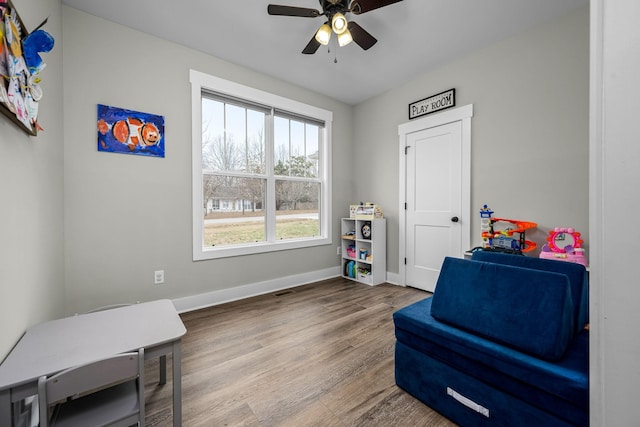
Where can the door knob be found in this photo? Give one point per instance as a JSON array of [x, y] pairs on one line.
[[455, 219]]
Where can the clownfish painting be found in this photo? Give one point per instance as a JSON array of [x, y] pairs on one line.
[[121, 131], [132, 132]]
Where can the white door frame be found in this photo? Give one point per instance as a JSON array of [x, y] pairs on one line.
[[462, 114]]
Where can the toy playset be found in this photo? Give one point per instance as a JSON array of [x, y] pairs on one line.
[[564, 244], [504, 235]]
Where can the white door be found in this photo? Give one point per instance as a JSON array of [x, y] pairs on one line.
[[434, 205]]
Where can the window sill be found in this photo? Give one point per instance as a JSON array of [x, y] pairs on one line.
[[202, 253]]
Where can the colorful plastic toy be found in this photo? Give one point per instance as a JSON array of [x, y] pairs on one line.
[[564, 244], [351, 251], [350, 269], [505, 240]]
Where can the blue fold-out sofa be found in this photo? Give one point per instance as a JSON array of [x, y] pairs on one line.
[[502, 342]]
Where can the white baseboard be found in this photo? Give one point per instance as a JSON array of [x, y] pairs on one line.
[[209, 299], [393, 278]]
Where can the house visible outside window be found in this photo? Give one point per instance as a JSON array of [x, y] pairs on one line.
[[261, 178]]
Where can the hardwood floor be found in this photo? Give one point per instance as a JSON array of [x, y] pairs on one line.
[[315, 355]]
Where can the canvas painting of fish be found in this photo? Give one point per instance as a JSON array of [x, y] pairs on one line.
[[130, 132]]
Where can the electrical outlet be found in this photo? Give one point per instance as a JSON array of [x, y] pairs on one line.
[[158, 277], [338, 250]]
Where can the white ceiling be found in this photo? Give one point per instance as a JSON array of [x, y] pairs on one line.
[[414, 36]]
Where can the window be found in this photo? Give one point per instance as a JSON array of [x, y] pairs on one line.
[[261, 178]]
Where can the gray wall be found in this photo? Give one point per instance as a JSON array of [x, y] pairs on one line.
[[529, 141], [31, 189], [126, 216]]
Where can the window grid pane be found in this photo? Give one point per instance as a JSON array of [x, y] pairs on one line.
[[234, 212], [296, 148], [297, 210], [232, 138]]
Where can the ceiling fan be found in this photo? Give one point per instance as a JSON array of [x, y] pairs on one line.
[[334, 11]]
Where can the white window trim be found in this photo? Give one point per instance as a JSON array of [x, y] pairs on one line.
[[199, 82]]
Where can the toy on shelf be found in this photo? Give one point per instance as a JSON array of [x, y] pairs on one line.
[[351, 251], [504, 240], [350, 269], [366, 210], [350, 235], [364, 273], [564, 244]]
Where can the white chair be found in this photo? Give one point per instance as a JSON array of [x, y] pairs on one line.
[[107, 392]]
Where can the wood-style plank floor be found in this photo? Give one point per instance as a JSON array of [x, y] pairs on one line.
[[315, 355]]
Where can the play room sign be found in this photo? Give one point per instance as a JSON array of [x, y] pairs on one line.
[[432, 104]]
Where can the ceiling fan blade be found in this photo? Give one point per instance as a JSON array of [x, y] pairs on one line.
[[311, 47], [276, 9], [361, 6], [361, 36]]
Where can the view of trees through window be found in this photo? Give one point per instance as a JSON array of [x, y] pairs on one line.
[[248, 197]]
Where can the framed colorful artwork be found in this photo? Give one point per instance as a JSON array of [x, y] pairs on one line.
[[130, 132], [20, 67]]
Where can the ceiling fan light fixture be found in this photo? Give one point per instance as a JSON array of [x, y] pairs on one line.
[[344, 38], [323, 35], [339, 23]]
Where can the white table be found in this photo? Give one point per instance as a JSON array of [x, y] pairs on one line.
[[56, 345]]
